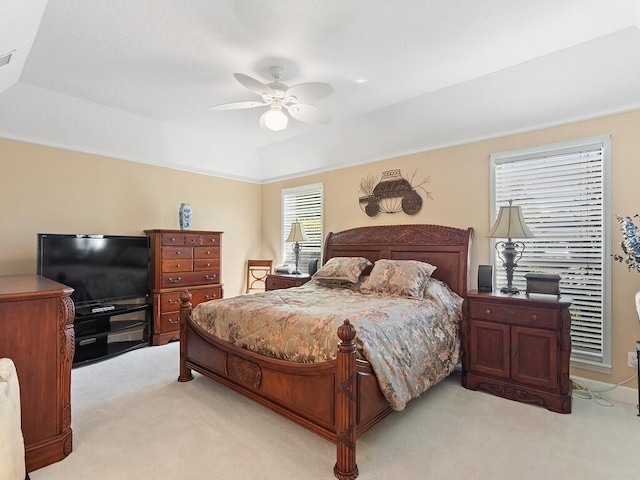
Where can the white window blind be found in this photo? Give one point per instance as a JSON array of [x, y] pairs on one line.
[[303, 204], [562, 191]]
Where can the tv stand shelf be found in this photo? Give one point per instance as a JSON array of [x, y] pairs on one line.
[[104, 334]]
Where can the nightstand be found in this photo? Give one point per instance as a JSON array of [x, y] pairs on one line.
[[518, 347], [278, 281]]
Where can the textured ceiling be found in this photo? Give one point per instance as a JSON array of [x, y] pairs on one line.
[[134, 80]]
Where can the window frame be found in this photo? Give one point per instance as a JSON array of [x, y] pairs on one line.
[[541, 151]]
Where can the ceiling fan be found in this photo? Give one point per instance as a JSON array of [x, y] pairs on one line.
[[279, 98]]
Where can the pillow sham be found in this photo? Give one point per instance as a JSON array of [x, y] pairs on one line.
[[342, 269], [406, 278]]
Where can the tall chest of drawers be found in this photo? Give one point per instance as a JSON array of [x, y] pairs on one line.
[[181, 260]]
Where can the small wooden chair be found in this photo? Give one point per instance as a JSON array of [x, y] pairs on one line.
[[257, 271]]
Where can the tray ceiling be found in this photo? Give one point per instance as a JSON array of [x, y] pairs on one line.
[[134, 80]]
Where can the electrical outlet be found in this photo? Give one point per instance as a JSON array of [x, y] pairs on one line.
[[632, 359]]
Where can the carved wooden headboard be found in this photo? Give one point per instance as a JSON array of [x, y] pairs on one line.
[[447, 248]]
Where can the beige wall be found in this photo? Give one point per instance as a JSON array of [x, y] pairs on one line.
[[59, 191], [459, 185], [51, 190]]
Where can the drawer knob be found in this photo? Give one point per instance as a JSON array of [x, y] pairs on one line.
[[488, 311], [172, 302], [208, 252], [210, 297], [178, 252], [210, 277], [208, 264], [175, 280], [534, 317], [173, 239], [171, 320]]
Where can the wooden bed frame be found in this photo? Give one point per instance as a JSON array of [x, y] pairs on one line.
[[339, 400]]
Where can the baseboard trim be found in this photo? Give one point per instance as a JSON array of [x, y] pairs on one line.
[[619, 394]]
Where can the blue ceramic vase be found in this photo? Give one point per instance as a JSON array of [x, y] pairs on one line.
[[185, 216]]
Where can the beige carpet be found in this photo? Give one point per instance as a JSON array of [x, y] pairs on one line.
[[133, 420]]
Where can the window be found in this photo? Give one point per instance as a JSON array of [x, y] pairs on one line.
[[563, 191], [303, 204]]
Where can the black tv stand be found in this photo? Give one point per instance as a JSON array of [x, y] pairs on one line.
[[103, 331]]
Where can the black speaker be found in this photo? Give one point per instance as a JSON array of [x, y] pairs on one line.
[[485, 278]]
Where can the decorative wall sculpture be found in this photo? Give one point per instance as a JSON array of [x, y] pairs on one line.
[[392, 194]]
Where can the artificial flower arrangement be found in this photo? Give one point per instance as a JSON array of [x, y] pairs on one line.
[[630, 243]]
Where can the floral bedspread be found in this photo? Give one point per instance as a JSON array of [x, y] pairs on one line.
[[411, 344]]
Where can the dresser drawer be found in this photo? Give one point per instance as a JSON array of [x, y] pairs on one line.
[[172, 239], [206, 295], [206, 252], [206, 264], [183, 279], [170, 301], [176, 252], [170, 321], [541, 317], [206, 239], [177, 265]]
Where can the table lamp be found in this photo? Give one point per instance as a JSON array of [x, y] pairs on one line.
[[296, 235], [510, 224]]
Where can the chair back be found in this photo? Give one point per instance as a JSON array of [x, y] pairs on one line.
[[257, 271]]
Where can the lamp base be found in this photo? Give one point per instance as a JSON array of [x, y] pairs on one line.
[[510, 290]]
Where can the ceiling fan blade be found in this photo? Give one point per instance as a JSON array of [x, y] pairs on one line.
[[237, 105], [308, 113], [254, 85], [308, 92]]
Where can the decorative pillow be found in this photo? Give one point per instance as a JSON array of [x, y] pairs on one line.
[[406, 278], [342, 269]]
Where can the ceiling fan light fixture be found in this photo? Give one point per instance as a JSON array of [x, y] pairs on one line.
[[274, 119]]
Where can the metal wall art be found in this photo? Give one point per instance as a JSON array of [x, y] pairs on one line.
[[392, 194]]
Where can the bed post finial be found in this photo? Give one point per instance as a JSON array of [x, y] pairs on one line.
[[346, 401], [185, 313]]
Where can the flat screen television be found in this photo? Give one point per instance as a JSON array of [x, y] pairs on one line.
[[100, 268]]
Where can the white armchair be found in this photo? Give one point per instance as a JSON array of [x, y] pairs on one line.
[[12, 464]]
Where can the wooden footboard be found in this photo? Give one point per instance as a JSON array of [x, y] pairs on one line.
[[338, 400]]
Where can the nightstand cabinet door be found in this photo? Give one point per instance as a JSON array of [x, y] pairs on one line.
[[490, 347], [534, 357], [518, 348]]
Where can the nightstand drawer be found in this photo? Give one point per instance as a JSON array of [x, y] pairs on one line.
[[279, 281], [501, 312]]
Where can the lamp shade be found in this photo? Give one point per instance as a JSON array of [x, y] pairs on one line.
[[296, 234], [510, 224]]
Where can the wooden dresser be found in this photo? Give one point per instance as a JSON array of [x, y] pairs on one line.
[[182, 259], [36, 332], [518, 347]]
